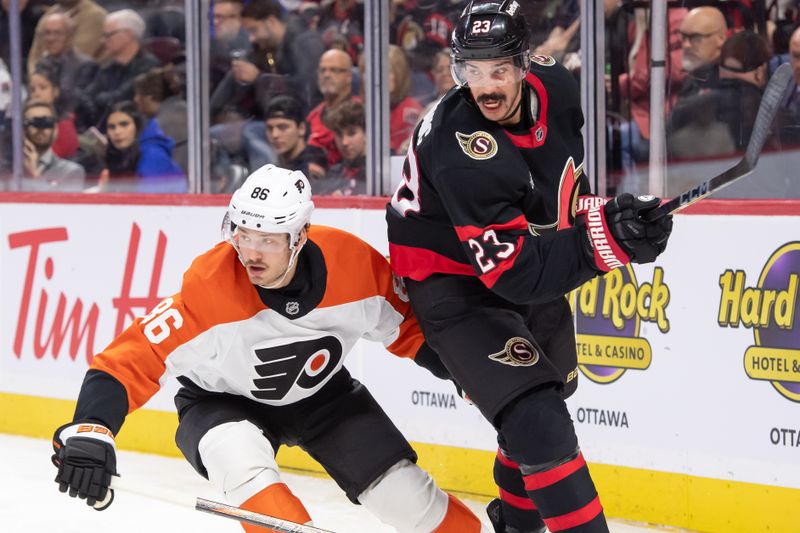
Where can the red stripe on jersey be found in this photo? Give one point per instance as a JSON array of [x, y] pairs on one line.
[[538, 132], [490, 278], [517, 501], [520, 141], [575, 518], [466, 233], [538, 86], [505, 461], [566, 191], [419, 263], [548, 477]]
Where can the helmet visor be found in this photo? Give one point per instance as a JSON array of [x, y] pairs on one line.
[[249, 239], [489, 72], [268, 243]]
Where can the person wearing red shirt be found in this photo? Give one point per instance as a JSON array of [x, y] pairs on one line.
[[334, 78]]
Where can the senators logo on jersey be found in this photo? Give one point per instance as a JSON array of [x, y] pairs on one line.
[[478, 145], [517, 352]]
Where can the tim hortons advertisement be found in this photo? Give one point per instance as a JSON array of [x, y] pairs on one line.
[[690, 365]]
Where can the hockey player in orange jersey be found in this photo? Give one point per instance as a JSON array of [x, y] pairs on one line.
[[257, 336]]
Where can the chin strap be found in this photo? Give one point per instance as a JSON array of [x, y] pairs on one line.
[[516, 107]]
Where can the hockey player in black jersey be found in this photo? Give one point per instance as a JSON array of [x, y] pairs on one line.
[[493, 224]]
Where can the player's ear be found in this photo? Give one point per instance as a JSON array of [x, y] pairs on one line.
[[303, 235]]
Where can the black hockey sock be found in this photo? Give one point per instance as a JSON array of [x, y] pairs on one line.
[[538, 434], [565, 495], [516, 512]]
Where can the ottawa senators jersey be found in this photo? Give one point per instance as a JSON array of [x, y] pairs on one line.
[[276, 347], [480, 200]]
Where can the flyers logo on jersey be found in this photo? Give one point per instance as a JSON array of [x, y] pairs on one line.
[[479, 145], [517, 352], [304, 364]]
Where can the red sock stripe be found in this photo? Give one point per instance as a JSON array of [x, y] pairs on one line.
[[505, 461], [575, 518], [517, 501], [548, 477]]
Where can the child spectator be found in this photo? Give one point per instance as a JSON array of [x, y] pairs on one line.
[[348, 176]]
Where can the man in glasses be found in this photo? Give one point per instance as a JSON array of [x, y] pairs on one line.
[[702, 34], [44, 171], [335, 80], [72, 68], [492, 225], [122, 36]]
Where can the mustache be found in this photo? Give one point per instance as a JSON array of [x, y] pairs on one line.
[[491, 96]]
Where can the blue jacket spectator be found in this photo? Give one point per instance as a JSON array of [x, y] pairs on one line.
[[157, 171]]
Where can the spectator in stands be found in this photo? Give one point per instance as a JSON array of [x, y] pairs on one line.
[[286, 132], [404, 110], [334, 79], [72, 69], [290, 49], [138, 158], [29, 15], [45, 171], [792, 102], [348, 176], [158, 95], [341, 24], [229, 37], [634, 91], [280, 46], [43, 87], [442, 78], [122, 34], [87, 18], [702, 34], [732, 102]]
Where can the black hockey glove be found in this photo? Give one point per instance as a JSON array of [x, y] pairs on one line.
[[617, 234], [86, 459]]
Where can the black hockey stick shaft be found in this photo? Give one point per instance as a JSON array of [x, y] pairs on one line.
[[770, 103]]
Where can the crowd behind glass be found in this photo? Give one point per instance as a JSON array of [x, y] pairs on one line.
[[104, 86]]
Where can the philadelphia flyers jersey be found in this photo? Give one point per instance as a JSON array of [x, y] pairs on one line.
[[480, 200], [277, 347]]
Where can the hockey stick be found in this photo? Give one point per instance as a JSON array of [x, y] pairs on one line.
[[770, 102], [212, 507]]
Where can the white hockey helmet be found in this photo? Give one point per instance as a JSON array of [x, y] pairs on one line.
[[271, 200]]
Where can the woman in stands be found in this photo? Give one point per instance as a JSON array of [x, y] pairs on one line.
[[138, 157]]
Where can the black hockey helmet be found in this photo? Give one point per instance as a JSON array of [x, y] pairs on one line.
[[490, 29]]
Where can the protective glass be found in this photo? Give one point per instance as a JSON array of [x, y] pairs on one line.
[[489, 72]]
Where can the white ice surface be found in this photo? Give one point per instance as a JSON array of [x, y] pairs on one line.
[[31, 503]]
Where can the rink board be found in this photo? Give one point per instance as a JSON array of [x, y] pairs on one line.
[[690, 368]]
